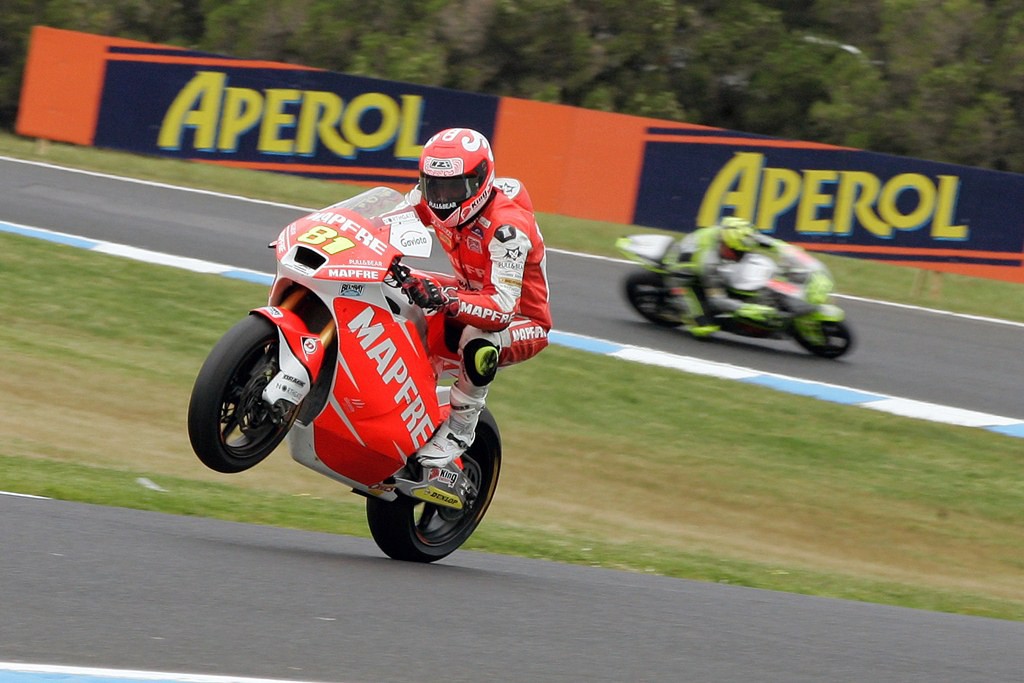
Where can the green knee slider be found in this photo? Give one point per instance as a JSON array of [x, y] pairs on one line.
[[481, 360]]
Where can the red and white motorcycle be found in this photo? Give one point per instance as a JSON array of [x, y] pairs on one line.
[[344, 366]]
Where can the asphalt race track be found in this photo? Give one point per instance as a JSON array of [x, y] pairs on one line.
[[97, 586], [103, 587]]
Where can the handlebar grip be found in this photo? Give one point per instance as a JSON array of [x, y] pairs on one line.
[[401, 272]]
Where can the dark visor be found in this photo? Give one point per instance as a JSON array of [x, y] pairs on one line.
[[444, 191]]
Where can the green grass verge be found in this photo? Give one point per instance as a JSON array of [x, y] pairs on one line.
[[608, 463]]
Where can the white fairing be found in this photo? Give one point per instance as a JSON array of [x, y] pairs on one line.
[[750, 273], [408, 235], [291, 383], [649, 247]]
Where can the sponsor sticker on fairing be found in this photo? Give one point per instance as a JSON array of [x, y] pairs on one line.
[[353, 274], [397, 218], [351, 290], [444, 476], [310, 345], [413, 239]]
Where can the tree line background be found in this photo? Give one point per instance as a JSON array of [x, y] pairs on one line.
[[932, 79]]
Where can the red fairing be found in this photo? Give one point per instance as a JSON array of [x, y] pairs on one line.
[[345, 238], [304, 344], [384, 402]]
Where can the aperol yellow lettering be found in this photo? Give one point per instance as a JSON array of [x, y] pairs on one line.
[[290, 121], [242, 108], [832, 202], [196, 107]]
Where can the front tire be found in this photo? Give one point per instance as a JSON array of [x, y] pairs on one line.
[[415, 531], [838, 340], [229, 424], [646, 292]]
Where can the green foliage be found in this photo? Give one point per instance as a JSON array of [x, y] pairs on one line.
[[16, 20], [933, 79]]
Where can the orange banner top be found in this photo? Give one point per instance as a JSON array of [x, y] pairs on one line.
[[63, 82], [562, 153]]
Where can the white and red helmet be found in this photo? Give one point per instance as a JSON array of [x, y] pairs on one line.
[[456, 176]]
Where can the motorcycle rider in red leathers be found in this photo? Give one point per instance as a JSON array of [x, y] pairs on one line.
[[499, 293]]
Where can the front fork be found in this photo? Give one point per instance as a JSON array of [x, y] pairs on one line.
[[300, 355]]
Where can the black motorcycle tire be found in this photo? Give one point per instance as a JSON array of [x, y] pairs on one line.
[[415, 531], [838, 340], [229, 425], [646, 293]]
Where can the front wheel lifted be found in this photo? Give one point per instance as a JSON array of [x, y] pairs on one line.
[[415, 531], [229, 424]]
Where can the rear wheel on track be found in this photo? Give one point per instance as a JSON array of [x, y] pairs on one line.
[[415, 531]]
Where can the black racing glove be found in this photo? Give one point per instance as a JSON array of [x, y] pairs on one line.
[[424, 293]]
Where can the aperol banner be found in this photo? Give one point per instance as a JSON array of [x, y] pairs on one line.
[[162, 100]]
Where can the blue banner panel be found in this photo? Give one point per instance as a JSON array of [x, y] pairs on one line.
[[831, 196], [319, 123]]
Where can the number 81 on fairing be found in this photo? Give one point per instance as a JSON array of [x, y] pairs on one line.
[[331, 241], [327, 239]]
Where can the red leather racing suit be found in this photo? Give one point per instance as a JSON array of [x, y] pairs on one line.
[[500, 273]]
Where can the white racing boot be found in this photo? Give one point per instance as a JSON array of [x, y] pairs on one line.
[[438, 479], [456, 434]]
